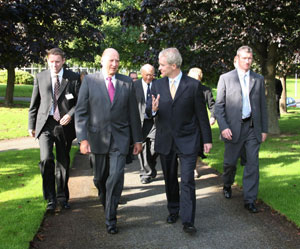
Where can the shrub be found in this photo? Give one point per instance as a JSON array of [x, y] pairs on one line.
[[22, 77]]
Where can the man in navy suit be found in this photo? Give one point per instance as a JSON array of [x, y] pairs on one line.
[[148, 156], [179, 106]]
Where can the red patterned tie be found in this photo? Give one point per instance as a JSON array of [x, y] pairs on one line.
[[56, 114], [111, 89]]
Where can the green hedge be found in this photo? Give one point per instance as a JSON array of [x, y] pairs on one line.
[[22, 77]]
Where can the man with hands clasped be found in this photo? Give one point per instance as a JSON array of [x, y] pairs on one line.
[[51, 120]]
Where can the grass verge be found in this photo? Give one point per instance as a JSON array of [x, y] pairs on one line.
[[22, 206], [279, 166], [19, 90], [14, 120]]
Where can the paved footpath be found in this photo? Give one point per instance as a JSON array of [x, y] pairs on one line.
[[221, 223]]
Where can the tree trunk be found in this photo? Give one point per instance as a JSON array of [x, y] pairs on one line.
[[9, 97], [283, 108], [269, 69]]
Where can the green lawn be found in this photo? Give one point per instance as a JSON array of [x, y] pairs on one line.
[[19, 90], [13, 120], [290, 86], [22, 206], [279, 166]]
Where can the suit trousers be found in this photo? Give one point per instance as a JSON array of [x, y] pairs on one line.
[[147, 158], [185, 203], [250, 144], [108, 171], [52, 171]]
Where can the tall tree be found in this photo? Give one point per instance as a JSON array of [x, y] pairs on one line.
[[209, 32], [29, 27]]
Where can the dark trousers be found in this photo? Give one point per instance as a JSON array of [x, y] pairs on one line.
[[108, 170], [52, 171], [147, 158], [249, 143], [185, 203]]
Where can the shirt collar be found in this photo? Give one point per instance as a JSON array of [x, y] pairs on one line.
[[177, 78], [242, 74], [144, 83], [113, 78], [60, 73]]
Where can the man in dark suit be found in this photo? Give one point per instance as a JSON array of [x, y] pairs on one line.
[[148, 156], [241, 113], [197, 74], [105, 114], [278, 92], [180, 111], [133, 76], [51, 120]]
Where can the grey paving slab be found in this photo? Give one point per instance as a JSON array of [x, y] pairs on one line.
[[221, 223]]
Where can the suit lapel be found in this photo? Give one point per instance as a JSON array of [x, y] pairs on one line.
[[166, 88], [63, 84], [140, 91], [251, 82], [181, 88], [238, 84], [49, 82], [103, 88]]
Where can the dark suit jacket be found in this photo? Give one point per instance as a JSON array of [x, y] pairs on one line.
[[180, 120], [97, 119], [148, 125], [42, 101], [229, 103], [209, 99]]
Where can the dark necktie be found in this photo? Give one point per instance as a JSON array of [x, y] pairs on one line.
[[148, 93], [111, 89], [56, 114]]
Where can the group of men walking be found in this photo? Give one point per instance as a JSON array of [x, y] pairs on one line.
[[165, 117]]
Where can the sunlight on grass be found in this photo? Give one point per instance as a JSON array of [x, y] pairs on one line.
[[13, 121], [279, 166], [22, 206]]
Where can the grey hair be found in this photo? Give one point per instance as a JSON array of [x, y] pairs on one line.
[[244, 48], [172, 55]]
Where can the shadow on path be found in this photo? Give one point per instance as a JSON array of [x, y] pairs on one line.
[[221, 223]]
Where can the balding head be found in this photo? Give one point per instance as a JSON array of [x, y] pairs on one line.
[[147, 72], [110, 61]]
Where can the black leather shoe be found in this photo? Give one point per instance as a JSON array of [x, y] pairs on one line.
[[145, 180], [51, 206], [111, 229], [172, 218], [251, 207], [227, 192], [65, 205], [189, 228], [154, 173]]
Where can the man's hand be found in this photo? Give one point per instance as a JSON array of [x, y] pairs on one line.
[[207, 148], [155, 103], [31, 133], [264, 137], [85, 147], [227, 134], [137, 148], [65, 119], [212, 121]]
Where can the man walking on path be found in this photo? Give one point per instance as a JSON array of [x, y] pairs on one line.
[[242, 117], [178, 104], [106, 114], [51, 120], [148, 156]]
